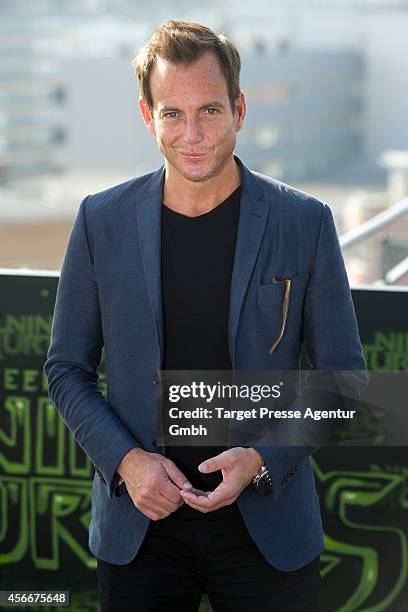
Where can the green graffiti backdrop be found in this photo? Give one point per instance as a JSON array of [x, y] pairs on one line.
[[45, 478]]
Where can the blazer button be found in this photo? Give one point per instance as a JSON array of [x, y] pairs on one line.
[[156, 378], [156, 444]]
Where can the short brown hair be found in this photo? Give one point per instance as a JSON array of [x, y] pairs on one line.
[[183, 42]]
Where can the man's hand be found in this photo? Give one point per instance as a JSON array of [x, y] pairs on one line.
[[238, 466], [153, 482]]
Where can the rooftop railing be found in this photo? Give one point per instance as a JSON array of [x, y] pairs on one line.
[[373, 226]]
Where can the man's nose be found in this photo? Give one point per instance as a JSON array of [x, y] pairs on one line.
[[193, 133]]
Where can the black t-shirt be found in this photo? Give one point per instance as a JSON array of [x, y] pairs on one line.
[[197, 255]]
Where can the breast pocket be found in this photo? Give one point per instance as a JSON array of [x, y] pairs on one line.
[[273, 301]]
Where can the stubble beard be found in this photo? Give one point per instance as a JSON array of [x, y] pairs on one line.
[[198, 175]]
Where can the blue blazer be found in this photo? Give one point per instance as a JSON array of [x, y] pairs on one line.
[[109, 295]]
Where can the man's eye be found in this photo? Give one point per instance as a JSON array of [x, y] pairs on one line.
[[211, 111], [170, 115]]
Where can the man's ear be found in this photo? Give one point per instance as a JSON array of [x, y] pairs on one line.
[[240, 111], [147, 115]]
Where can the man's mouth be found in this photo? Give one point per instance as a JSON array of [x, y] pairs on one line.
[[193, 155]]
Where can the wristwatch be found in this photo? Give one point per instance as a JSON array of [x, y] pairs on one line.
[[262, 480]]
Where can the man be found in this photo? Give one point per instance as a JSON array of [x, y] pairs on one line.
[[201, 265]]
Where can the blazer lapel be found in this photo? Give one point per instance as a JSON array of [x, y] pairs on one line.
[[251, 228], [149, 223]]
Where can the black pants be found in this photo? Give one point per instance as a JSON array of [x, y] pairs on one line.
[[181, 558]]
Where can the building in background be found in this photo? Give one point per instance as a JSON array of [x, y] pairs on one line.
[[30, 98], [305, 112], [376, 29]]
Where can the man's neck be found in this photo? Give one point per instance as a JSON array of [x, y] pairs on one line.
[[193, 199]]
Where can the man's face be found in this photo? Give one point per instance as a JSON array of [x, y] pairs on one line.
[[192, 119]]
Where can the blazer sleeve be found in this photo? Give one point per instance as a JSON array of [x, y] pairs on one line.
[[74, 356], [332, 344]]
